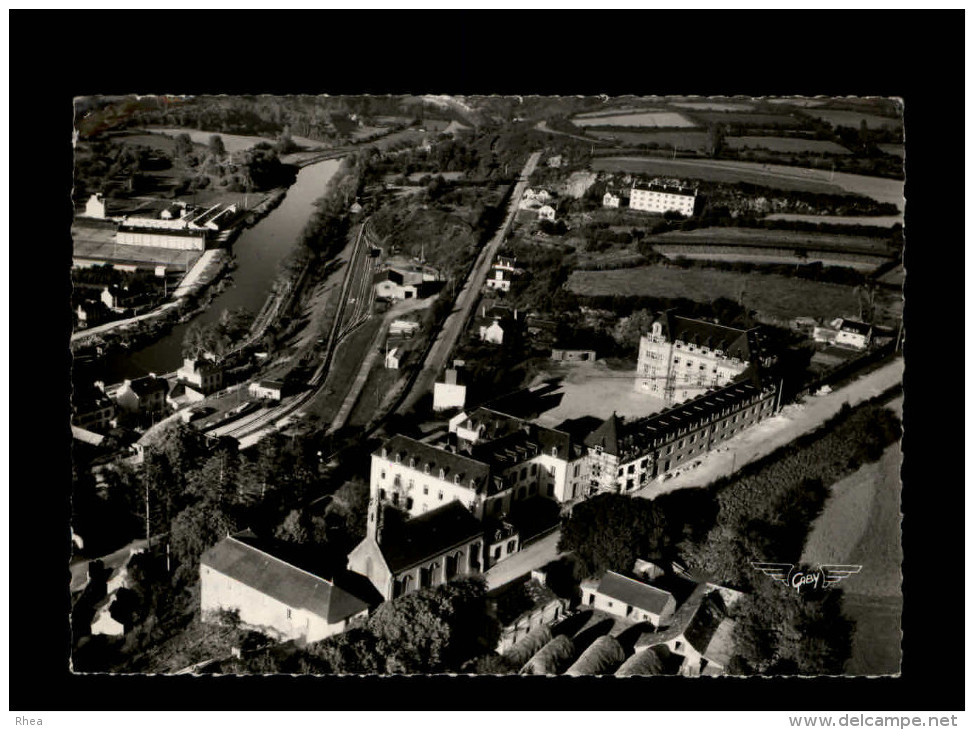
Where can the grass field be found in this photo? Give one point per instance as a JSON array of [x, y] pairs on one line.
[[636, 119], [777, 176], [786, 144], [842, 118], [776, 239], [780, 297], [893, 149], [860, 525], [797, 102], [232, 142], [759, 255], [882, 221], [613, 111], [684, 140]]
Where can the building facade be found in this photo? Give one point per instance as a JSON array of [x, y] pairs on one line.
[[628, 598], [205, 376], [680, 357], [624, 456], [662, 198], [144, 395]]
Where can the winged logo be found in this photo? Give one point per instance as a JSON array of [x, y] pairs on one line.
[[804, 579]]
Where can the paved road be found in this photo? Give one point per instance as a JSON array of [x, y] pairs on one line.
[[467, 299], [520, 564], [783, 428]]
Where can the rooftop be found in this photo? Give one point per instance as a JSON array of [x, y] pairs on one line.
[[731, 341], [267, 574], [860, 328], [634, 593], [429, 535], [148, 384], [418, 455], [669, 189]]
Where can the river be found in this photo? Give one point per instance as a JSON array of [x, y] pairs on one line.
[[257, 253]]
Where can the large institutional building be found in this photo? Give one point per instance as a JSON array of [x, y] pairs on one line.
[[680, 358], [662, 198]]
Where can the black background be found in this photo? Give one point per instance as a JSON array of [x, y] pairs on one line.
[[56, 55]]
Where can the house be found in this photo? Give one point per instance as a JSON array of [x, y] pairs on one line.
[[143, 395], [90, 314], [394, 284], [626, 455], [846, 332], [425, 551], [91, 408], [403, 328], [628, 598], [204, 376], [267, 389], [450, 393], [495, 322], [554, 161], [356, 208], [272, 595], [658, 198], [122, 299], [95, 207], [610, 201], [502, 273], [492, 333], [682, 357], [392, 359], [546, 212]]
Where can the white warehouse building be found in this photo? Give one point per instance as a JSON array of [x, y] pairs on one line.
[[662, 198]]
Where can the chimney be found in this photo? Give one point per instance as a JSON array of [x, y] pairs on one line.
[[515, 314], [451, 377]]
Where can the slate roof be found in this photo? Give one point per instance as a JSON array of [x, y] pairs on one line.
[[606, 436], [731, 341], [390, 275], [507, 440], [429, 535], [148, 385], [860, 328], [425, 455], [280, 580], [634, 593]]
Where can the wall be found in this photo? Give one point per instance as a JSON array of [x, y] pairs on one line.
[[366, 559], [446, 395], [413, 484], [437, 569]]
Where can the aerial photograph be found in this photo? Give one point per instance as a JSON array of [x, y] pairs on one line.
[[487, 385]]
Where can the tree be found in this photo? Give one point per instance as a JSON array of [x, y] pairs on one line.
[[196, 529], [610, 531], [216, 147], [294, 528], [715, 139], [629, 330], [184, 145]]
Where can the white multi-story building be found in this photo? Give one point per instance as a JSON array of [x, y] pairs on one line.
[[501, 273], [662, 198], [681, 358], [610, 201]]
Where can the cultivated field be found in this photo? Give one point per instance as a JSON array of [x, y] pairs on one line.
[[714, 106], [786, 144], [755, 119], [688, 140], [778, 176], [842, 118], [638, 119], [778, 297], [612, 111], [232, 142], [758, 255], [775, 239], [879, 221]]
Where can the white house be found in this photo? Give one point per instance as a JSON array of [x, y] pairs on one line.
[[493, 333], [95, 207], [267, 389], [143, 395], [546, 212], [854, 334], [403, 327], [271, 595], [449, 393], [392, 359], [628, 598], [205, 375], [610, 201]]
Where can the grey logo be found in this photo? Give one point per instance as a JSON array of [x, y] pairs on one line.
[[806, 579]]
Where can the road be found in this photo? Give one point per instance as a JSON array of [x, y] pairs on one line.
[[467, 299], [779, 430], [534, 556]]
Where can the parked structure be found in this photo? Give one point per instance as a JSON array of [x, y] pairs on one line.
[[847, 332], [658, 198], [272, 595], [623, 456], [267, 389], [682, 357], [628, 598]]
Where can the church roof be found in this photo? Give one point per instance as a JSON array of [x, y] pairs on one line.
[[429, 536]]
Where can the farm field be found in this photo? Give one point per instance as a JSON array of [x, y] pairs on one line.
[[783, 177], [776, 239], [688, 140], [759, 255], [714, 106], [232, 142], [880, 221], [797, 102], [893, 149], [786, 144], [640, 119], [615, 111], [752, 119], [895, 276], [860, 525], [843, 118], [780, 298]]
